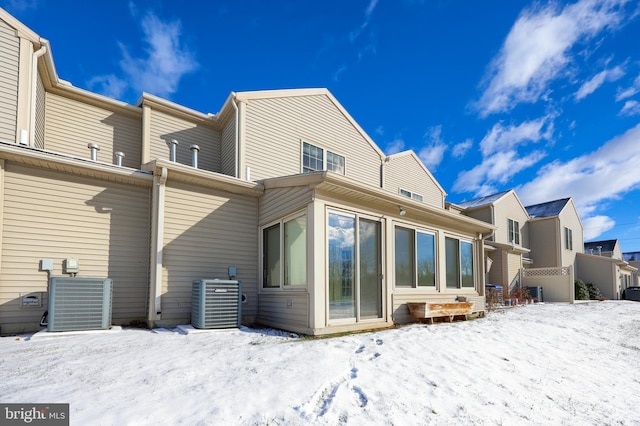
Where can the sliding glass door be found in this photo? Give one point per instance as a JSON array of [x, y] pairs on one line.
[[354, 267]]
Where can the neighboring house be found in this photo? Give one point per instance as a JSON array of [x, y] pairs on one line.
[[326, 232], [602, 264], [507, 251], [633, 258], [555, 237]]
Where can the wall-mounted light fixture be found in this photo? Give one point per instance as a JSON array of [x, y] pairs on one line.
[[402, 211]]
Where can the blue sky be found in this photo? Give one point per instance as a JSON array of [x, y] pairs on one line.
[[543, 97]]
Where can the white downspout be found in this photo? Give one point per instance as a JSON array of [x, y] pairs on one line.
[[235, 107], [157, 219], [34, 82]]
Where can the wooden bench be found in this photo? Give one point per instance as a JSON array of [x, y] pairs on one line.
[[429, 311]]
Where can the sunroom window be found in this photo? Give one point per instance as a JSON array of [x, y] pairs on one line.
[[414, 258], [459, 263], [286, 240]]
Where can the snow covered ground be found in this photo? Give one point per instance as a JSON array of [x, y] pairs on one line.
[[533, 365]]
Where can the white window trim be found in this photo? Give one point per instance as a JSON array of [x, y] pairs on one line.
[[412, 195], [357, 215], [474, 270], [324, 156], [282, 287], [416, 287], [516, 231]]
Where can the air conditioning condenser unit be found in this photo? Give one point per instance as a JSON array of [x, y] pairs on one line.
[[79, 303], [216, 303]]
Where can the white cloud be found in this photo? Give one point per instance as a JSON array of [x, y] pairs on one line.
[[630, 108], [498, 168], [630, 91], [592, 179], [501, 159], [459, 150], [536, 50], [368, 12], [21, 5], [501, 138], [590, 86], [109, 85], [166, 61], [339, 71], [595, 226], [160, 69], [432, 153], [397, 145]]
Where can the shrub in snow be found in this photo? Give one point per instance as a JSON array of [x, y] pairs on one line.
[[594, 291], [581, 290]]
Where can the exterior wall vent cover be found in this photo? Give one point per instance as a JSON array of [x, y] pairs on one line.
[[78, 303], [216, 303]]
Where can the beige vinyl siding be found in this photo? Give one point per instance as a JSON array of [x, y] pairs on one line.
[[9, 66], [275, 127], [277, 203], [228, 148], [40, 114], [496, 274], [205, 232], [403, 171], [514, 262], [569, 218], [284, 309], [71, 125], [400, 311], [484, 214], [56, 216], [509, 208], [165, 127], [544, 241]]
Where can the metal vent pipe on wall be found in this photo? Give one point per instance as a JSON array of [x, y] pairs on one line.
[[94, 148], [119, 156], [172, 153], [194, 155]]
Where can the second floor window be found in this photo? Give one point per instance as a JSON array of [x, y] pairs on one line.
[[315, 159], [410, 194], [568, 238], [514, 231]]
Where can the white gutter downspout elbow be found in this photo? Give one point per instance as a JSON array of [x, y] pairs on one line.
[[34, 82], [237, 130]]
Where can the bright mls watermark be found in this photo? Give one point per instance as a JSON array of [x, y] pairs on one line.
[[34, 414]]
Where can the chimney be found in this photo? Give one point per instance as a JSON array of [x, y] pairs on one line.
[[599, 250]]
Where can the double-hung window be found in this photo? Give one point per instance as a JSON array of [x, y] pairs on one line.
[[315, 159], [568, 238], [414, 258], [514, 231], [284, 253], [459, 263]]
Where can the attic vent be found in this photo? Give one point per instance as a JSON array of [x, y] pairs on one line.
[[78, 303], [215, 303]]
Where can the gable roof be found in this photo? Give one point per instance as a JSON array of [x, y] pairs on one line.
[[632, 256], [483, 201], [605, 246], [412, 154], [290, 93], [548, 209]]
